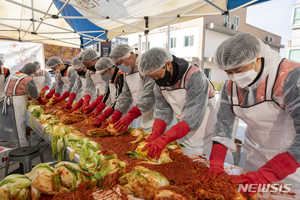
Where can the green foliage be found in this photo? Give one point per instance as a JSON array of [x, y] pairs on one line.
[[218, 85]]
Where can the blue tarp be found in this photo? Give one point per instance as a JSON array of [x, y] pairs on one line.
[[86, 25], [232, 4], [80, 24]]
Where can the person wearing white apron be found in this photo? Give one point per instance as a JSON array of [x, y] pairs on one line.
[[42, 78], [95, 87], [65, 78], [79, 85], [116, 86], [4, 73], [184, 90], [13, 106], [139, 92], [263, 91]]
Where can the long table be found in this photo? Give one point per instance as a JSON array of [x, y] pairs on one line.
[[115, 192]]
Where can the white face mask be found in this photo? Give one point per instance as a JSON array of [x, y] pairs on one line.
[[38, 71], [243, 79], [124, 68], [106, 77], [57, 71]]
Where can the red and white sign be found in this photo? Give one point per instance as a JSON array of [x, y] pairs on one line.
[[16, 54]]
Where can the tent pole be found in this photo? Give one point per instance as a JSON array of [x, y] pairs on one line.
[[168, 38], [66, 3], [93, 39], [81, 43], [32, 15], [207, 1], [44, 17], [104, 17], [139, 44], [28, 7]]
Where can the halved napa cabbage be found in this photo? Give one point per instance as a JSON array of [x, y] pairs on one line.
[[15, 186], [42, 180], [102, 155], [138, 154], [109, 172], [87, 152], [69, 175], [142, 183]]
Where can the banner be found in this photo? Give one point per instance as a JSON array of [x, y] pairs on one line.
[[16, 54]]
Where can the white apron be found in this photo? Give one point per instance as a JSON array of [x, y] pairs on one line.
[[112, 92], [267, 132], [81, 91], [40, 79], [136, 85], [198, 141], [99, 83], [13, 116], [2, 80]]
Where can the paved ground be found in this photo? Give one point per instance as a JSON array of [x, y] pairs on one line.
[[48, 152]]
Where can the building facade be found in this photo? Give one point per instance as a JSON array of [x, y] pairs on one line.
[[293, 50], [196, 40]]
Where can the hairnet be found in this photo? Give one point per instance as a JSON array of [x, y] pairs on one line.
[[153, 60], [103, 64], [1, 63], [53, 61], [248, 48], [37, 63], [77, 64], [121, 51], [237, 51], [87, 55], [28, 68]]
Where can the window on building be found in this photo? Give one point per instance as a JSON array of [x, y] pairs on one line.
[[236, 20], [144, 46], [173, 42], [296, 19], [207, 72], [295, 55], [227, 18], [189, 40]]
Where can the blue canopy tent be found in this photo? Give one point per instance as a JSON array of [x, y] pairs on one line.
[[80, 23]]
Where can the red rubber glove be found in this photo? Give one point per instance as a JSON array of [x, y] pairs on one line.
[[114, 118], [159, 126], [99, 108], [125, 121], [103, 117], [70, 101], [77, 106], [50, 94], [216, 159], [62, 97], [274, 170], [93, 105], [45, 89], [86, 101], [176, 132], [41, 101]]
